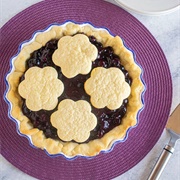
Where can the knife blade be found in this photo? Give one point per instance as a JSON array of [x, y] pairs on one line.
[[173, 127]]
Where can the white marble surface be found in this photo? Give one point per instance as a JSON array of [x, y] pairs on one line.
[[166, 29]]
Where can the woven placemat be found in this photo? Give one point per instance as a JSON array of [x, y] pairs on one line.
[[35, 162]]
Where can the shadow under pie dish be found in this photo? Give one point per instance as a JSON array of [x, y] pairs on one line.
[[74, 90]]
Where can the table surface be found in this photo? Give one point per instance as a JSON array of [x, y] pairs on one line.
[[166, 30]]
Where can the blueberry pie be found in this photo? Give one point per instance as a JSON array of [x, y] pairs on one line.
[[74, 89]]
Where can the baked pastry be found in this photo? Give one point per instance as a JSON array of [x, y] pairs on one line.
[[75, 89]]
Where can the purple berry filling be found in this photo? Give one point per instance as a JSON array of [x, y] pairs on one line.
[[74, 89]]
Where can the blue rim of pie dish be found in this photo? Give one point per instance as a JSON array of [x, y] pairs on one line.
[[17, 121]]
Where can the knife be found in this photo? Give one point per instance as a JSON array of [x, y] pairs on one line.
[[173, 127]]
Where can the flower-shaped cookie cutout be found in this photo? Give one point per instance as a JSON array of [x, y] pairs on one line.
[[107, 87], [41, 88], [75, 55], [74, 120]]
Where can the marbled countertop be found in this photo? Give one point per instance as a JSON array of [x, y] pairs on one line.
[[166, 30]]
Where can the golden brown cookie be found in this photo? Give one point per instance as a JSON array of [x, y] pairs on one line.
[[74, 55], [41, 88], [74, 120], [107, 87]]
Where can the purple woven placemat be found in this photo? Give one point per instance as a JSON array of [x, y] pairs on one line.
[[35, 162]]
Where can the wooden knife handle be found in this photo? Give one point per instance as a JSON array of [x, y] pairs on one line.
[[161, 163]]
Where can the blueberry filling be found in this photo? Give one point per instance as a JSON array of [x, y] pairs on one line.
[[74, 89]]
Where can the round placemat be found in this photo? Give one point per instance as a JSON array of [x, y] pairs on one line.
[[35, 162]]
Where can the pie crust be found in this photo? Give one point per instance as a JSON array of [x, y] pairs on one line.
[[71, 149]]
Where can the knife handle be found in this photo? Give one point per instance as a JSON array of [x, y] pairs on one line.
[[161, 163]]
